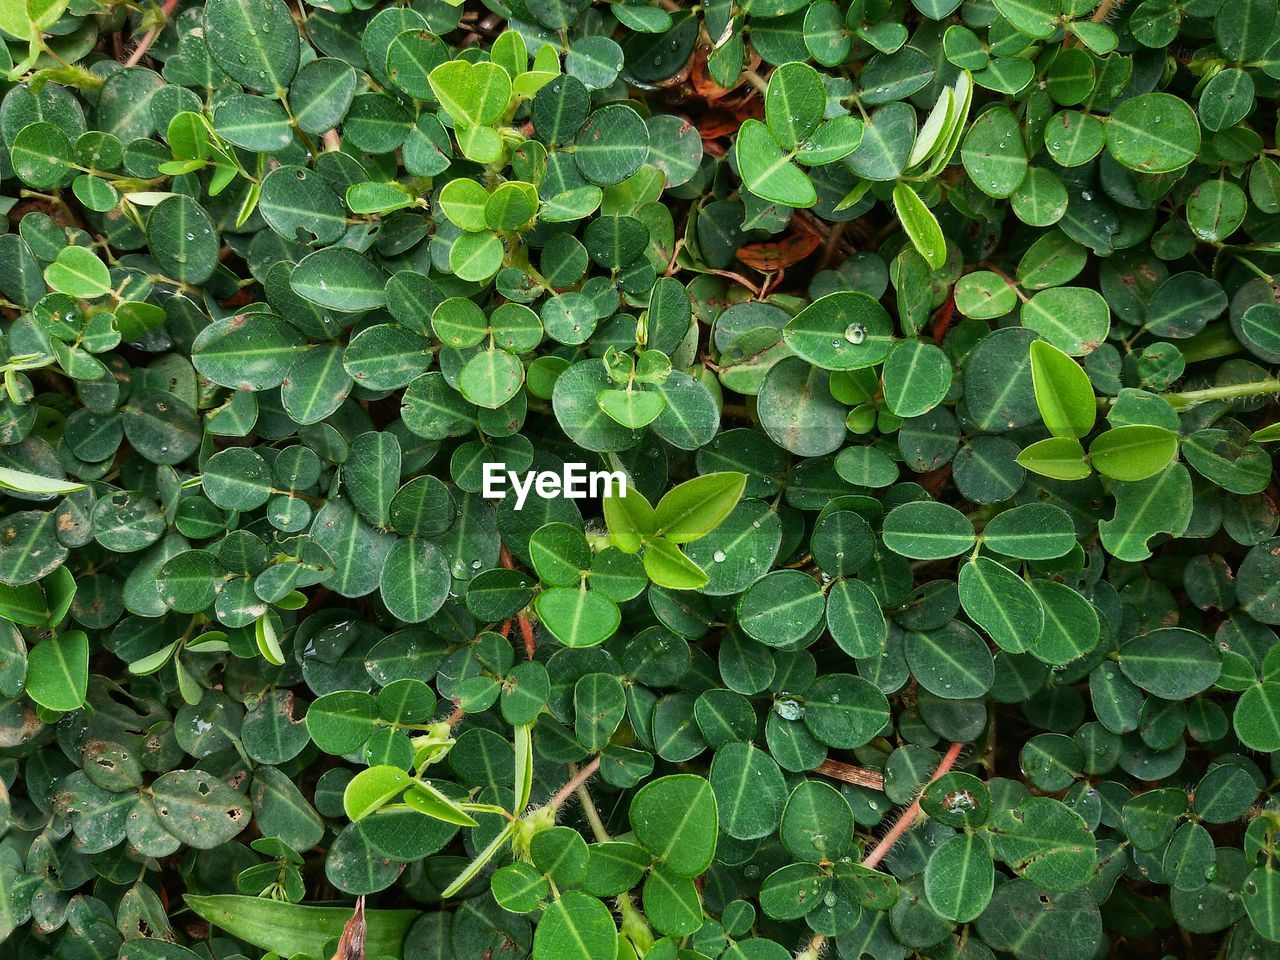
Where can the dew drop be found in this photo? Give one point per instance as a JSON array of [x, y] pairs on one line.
[[789, 709]]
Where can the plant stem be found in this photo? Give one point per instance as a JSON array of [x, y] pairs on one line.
[[1229, 391], [580, 777], [592, 814], [1104, 10], [909, 815], [756, 80]]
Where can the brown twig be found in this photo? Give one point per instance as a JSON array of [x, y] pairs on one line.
[[831, 245], [848, 773]]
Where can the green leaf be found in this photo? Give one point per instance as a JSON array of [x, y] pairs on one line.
[[491, 378], [844, 711], [841, 331], [925, 530], [41, 154], [611, 145], [817, 823], [599, 703], [1068, 924], [676, 819], [373, 788], [1153, 133], [630, 519], [768, 171], [959, 878], [749, 789], [694, 508], [519, 888], [855, 619], [794, 891], [632, 408], [1033, 531], [794, 103], [1261, 897], [994, 153], [1172, 663], [23, 482], [1257, 717], [1035, 18], [58, 671], [1062, 458], [781, 608], [340, 722], [254, 41], [184, 240], [952, 662], [475, 866], [671, 903], [1045, 842], [1073, 319], [1063, 392], [476, 256], [667, 566], [576, 616], [339, 278], [200, 810], [472, 93], [247, 351], [917, 378], [921, 225], [426, 799], [1159, 504], [289, 928], [1133, 452], [78, 273]]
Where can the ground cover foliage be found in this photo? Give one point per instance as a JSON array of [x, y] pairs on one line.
[[936, 340]]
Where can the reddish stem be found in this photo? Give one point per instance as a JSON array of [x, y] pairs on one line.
[[136, 57], [526, 628], [579, 778], [526, 631], [909, 815], [942, 319]]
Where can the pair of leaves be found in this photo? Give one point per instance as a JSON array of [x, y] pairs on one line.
[[1130, 452]]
